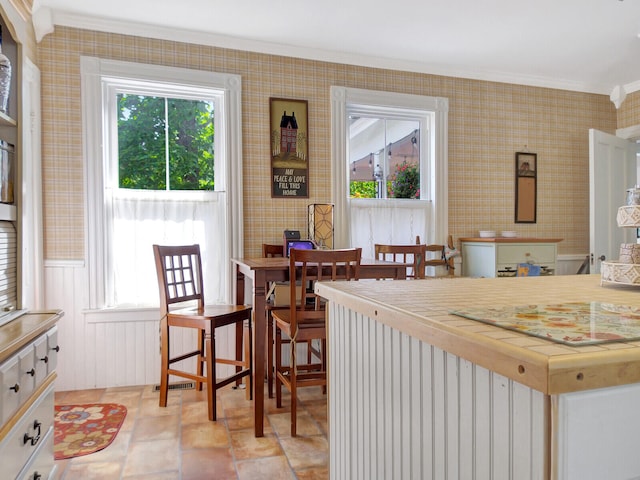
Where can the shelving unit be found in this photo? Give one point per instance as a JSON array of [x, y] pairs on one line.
[[28, 338], [9, 125], [619, 272]]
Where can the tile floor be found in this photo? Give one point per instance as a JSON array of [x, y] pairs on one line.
[[178, 442]]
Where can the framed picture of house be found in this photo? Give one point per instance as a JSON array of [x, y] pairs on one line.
[[289, 148], [526, 187]]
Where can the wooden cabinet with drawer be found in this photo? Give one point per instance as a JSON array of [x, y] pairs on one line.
[[28, 358], [494, 257]]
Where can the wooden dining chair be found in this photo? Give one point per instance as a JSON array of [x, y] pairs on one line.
[[436, 256], [182, 305], [410, 254], [272, 250], [304, 320], [278, 299]]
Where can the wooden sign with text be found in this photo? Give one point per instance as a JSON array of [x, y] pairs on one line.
[[289, 148]]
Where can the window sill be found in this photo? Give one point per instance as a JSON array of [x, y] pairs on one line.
[[122, 315], [389, 202]]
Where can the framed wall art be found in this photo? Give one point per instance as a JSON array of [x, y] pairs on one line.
[[526, 187], [289, 148]]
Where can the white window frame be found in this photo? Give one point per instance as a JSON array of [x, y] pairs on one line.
[[97, 78], [342, 98]]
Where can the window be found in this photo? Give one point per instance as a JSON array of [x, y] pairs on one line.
[[384, 156], [163, 156], [390, 159]]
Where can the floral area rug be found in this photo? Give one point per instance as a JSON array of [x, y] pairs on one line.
[[84, 429]]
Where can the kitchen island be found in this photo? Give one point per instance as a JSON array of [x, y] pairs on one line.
[[416, 391]]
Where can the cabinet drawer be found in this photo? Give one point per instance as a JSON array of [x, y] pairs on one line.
[[27, 377], [41, 358], [10, 385], [41, 464], [27, 435], [52, 349], [526, 253]]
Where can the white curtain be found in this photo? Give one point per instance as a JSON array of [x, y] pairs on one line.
[[142, 218], [389, 221]]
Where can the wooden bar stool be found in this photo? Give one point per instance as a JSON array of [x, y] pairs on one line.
[[182, 305]]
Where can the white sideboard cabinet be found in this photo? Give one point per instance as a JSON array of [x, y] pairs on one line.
[[28, 358], [499, 257]]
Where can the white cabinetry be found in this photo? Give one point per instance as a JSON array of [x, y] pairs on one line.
[[493, 257], [28, 357]]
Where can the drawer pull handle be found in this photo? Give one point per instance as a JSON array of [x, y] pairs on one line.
[[56, 348], [15, 388], [36, 438], [45, 359], [32, 372]]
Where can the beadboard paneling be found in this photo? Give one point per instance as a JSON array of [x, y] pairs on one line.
[[401, 408], [108, 349]]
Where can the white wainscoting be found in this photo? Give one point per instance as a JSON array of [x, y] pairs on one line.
[[569, 264], [401, 408], [108, 348]]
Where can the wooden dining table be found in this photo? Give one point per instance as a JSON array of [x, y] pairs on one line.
[[261, 272]]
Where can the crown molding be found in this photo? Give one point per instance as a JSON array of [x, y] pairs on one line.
[[632, 87], [45, 22], [23, 7]]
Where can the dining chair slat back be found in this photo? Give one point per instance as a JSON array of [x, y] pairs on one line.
[[304, 321], [409, 254]]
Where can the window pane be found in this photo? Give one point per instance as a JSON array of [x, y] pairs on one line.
[[158, 135], [403, 159], [384, 157], [141, 142], [190, 144]]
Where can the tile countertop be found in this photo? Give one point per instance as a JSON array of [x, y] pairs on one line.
[[420, 308]]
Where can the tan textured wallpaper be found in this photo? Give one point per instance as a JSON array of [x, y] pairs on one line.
[[629, 112], [488, 123]]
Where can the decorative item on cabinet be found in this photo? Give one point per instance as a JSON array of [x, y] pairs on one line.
[[626, 270], [6, 172], [5, 78]]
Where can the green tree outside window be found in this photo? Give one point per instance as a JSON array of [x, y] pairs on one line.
[[156, 134]]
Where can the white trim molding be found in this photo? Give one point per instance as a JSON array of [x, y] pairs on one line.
[[96, 76], [341, 99]]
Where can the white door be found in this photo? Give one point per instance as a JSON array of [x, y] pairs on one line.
[[612, 170]]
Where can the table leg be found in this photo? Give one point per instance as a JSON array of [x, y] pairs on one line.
[[259, 351], [259, 332]]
